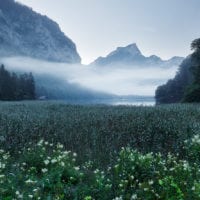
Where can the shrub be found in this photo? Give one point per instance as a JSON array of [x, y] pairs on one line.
[[46, 171]]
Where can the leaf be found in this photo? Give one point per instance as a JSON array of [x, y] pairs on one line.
[[160, 182]]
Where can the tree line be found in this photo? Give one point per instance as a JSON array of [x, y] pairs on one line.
[[185, 86], [16, 87]]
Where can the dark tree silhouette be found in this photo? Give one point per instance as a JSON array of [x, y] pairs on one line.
[[13, 87], [192, 93], [173, 90], [185, 87]]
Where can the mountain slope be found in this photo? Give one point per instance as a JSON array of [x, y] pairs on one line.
[[24, 32], [173, 90], [131, 55]]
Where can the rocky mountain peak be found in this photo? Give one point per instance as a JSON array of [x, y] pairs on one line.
[[24, 32], [131, 55]]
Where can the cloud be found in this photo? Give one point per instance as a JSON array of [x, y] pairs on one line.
[[120, 81]]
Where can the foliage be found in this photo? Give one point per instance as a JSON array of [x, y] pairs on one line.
[[97, 133], [192, 149], [173, 90], [196, 45], [13, 87], [46, 171], [122, 152], [192, 94], [150, 176], [184, 87]]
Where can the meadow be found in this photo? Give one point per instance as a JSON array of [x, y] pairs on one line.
[[51, 150]]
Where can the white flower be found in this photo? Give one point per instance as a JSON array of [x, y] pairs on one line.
[[29, 181], [5, 157], [96, 171], [35, 190], [46, 162], [30, 196], [1, 151], [74, 154], [185, 166], [2, 165], [118, 198], [59, 157], [40, 143], [2, 175], [66, 152], [76, 168], [193, 188], [20, 196], [53, 161], [60, 146], [150, 182], [44, 170], [134, 196]]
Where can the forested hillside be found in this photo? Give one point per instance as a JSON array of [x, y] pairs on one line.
[[185, 82], [16, 87], [173, 90]]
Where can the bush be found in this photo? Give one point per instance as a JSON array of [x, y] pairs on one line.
[[45, 171], [138, 176]]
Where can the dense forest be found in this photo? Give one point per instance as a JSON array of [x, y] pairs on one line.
[[16, 87], [185, 85]]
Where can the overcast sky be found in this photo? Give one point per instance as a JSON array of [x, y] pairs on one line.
[[162, 27]]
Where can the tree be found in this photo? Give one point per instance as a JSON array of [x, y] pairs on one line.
[[6, 89], [185, 86], [192, 93], [173, 90], [13, 87]]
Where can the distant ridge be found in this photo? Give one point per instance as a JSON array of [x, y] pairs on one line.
[[131, 55]]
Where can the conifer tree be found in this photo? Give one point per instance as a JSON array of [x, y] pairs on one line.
[[192, 94]]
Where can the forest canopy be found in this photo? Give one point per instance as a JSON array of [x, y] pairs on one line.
[[16, 87], [185, 86]]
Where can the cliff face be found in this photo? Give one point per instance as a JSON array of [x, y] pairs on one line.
[[24, 32]]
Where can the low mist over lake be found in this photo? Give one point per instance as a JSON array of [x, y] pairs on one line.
[[123, 80]]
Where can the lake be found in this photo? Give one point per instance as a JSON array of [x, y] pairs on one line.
[[128, 100]]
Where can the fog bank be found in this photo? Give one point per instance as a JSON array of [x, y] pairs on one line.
[[120, 80]]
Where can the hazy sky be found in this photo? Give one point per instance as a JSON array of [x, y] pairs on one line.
[[162, 27]]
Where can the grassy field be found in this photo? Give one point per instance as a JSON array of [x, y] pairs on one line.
[[103, 136], [96, 132]]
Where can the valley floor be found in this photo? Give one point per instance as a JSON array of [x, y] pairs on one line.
[[52, 150]]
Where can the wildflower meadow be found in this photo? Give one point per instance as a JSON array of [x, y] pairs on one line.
[[56, 151]]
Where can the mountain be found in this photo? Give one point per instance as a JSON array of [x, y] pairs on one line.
[[24, 32], [131, 55]]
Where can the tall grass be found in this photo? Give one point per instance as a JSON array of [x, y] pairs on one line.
[[97, 133]]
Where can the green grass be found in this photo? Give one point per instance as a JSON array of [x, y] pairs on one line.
[[123, 152], [98, 132], [46, 171]]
